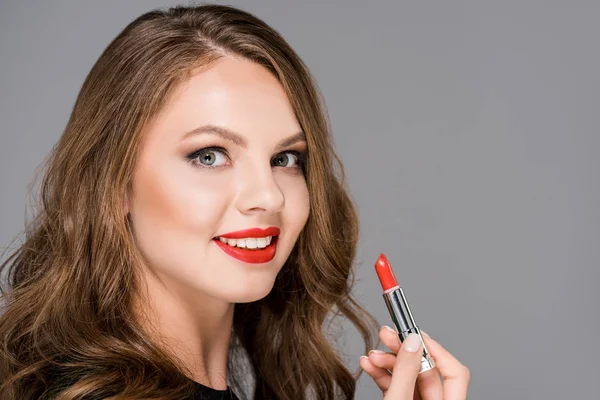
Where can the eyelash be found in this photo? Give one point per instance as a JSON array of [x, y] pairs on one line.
[[301, 155]]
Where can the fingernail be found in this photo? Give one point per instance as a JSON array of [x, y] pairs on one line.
[[376, 351], [412, 343], [389, 329], [425, 333], [361, 357]]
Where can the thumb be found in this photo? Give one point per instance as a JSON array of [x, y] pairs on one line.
[[406, 369]]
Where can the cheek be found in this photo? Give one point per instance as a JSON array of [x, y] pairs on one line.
[[175, 212], [297, 205]]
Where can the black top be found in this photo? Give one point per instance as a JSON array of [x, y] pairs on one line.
[[202, 392]]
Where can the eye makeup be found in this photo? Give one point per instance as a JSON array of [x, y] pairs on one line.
[[193, 157]]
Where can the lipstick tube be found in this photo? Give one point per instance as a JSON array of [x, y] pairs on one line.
[[399, 309]]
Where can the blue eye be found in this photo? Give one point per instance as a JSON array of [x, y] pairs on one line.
[[288, 159], [214, 157], [210, 157]]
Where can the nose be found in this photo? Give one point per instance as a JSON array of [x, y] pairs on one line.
[[259, 192]]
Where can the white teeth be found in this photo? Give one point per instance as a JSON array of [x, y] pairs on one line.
[[250, 243]]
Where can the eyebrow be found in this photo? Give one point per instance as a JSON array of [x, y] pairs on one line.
[[238, 139]]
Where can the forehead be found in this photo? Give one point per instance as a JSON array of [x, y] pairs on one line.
[[235, 93]]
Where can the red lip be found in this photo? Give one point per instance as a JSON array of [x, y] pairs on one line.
[[253, 232], [254, 256]]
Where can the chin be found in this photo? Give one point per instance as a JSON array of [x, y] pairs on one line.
[[250, 292]]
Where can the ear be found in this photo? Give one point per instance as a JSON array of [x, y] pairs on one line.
[[126, 203]]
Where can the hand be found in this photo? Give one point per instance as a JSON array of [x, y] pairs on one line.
[[405, 382]]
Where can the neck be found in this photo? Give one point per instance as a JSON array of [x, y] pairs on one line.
[[195, 328]]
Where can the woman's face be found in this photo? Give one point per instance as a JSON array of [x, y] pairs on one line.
[[223, 156]]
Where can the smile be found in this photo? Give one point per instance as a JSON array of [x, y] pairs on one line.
[[248, 243], [253, 246]]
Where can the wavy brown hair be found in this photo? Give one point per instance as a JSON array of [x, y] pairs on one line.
[[68, 329]]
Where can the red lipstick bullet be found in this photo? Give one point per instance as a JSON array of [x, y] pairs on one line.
[[385, 273]]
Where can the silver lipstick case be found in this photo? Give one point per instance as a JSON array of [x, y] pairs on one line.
[[405, 323]]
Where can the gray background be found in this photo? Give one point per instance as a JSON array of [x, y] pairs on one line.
[[469, 131]]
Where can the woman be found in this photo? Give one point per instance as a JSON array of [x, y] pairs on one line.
[[192, 231]]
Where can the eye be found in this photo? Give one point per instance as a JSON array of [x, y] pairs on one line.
[[288, 159], [210, 157]]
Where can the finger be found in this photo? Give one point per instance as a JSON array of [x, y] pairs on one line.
[[417, 396], [406, 369], [429, 384], [380, 376], [381, 359], [389, 337], [456, 375]]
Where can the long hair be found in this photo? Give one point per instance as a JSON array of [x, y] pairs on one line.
[[68, 329]]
